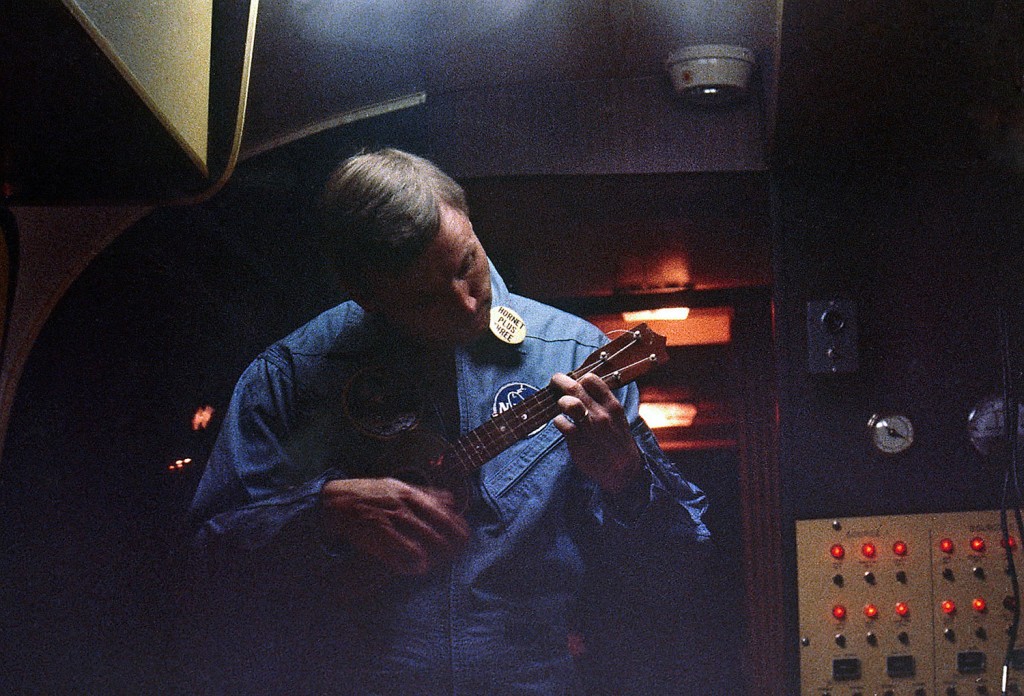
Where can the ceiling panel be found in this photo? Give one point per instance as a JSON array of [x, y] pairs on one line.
[[581, 79], [538, 72]]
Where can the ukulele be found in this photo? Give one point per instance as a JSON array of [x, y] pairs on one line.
[[429, 460]]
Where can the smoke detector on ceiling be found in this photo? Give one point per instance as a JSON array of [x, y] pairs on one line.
[[711, 74]]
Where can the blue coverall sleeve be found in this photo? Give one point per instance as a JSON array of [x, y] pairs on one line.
[[662, 504], [250, 491]]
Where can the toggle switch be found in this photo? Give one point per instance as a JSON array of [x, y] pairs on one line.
[[831, 336]]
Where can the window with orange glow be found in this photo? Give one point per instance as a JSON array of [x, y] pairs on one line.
[[667, 414], [681, 326]]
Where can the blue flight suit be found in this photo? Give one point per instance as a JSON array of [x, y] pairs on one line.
[[325, 403]]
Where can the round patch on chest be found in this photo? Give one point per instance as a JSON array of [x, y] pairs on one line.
[[510, 395]]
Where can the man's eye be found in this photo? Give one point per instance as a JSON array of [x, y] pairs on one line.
[[465, 268]]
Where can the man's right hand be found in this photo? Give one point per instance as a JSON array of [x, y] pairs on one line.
[[407, 528]]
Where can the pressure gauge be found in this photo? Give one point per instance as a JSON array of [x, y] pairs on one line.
[[986, 426], [892, 433]]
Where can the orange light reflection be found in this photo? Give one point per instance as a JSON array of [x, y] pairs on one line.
[[667, 415], [703, 326], [202, 417]]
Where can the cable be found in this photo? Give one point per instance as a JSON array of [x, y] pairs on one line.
[[1011, 423]]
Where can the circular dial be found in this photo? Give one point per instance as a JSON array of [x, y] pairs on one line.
[[986, 426], [891, 434]]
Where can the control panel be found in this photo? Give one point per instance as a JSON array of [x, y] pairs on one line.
[[906, 605]]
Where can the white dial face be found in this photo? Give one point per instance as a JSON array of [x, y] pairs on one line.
[[892, 434]]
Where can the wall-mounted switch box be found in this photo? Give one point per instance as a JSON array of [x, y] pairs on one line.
[[831, 336]]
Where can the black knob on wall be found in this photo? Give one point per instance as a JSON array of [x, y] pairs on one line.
[[831, 336]]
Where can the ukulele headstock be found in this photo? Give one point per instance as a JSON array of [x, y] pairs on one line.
[[631, 355]]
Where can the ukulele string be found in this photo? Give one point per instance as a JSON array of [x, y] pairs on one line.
[[469, 456], [604, 358], [551, 409], [547, 409], [547, 398]]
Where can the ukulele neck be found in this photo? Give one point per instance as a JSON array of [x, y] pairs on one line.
[[623, 360]]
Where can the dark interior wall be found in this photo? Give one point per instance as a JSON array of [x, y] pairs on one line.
[[625, 233], [161, 323], [927, 259]]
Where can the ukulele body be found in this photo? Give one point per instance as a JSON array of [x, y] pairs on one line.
[[420, 457]]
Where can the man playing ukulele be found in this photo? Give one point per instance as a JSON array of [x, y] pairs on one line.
[[359, 579]]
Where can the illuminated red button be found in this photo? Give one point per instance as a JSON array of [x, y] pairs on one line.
[[979, 605], [899, 548], [902, 609], [948, 607], [1009, 542], [839, 611], [837, 551], [870, 611], [977, 544], [868, 550], [946, 546]]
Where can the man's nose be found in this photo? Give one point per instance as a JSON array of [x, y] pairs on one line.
[[464, 298]]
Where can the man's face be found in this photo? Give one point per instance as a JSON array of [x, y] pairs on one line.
[[444, 299]]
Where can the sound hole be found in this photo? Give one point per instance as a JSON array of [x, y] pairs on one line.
[[416, 457], [415, 476]]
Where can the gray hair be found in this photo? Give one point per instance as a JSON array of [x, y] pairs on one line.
[[379, 211]]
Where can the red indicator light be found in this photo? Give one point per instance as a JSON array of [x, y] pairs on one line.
[[868, 549], [979, 605], [899, 548], [871, 611], [1009, 542], [839, 611], [946, 546], [977, 544], [948, 607], [902, 609], [837, 551]]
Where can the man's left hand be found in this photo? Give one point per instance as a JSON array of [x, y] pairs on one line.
[[596, 430]]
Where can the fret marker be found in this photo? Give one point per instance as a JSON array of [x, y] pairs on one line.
[[512, 400]]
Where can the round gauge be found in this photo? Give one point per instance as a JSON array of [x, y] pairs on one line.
[[986, 426], [891, 434]]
